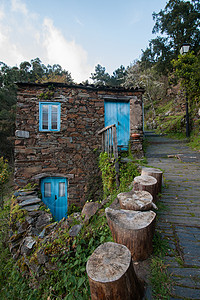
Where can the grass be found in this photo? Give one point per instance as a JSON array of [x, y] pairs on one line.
[[159, 277], [194, 142]]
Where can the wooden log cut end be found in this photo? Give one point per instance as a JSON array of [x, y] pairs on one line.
[[156, 173], [146, 183], [136, 200], [108, 262]]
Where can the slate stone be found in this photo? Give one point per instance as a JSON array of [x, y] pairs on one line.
[[29, 197], [185, 292], [28, 245], [31, 201], [31, 207], [47, 230], [41, 257], [22, 134], [43, 220], [27, 193], [75, 229], [89, 210]]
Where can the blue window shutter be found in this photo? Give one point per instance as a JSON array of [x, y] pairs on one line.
[[41, 121]]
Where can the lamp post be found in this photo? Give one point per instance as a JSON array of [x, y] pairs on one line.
[[184, 49]]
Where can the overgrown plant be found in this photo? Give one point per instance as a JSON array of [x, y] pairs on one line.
[[4, 178], [107, 167]]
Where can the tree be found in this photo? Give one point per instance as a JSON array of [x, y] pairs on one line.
[[133, 74], [158, 54], [187, 70], [118, 77], [100, 77], [179, 23]]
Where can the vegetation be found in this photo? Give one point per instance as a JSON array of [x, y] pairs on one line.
[[4, 178], [68, 254]]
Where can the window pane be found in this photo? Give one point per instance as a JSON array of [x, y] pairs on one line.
[[54, 117], [44, 116], [61, 189], [47, 189]]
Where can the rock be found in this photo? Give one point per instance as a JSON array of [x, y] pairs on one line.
[[115, 204], [41, 257], [43, 220], [47, 230], [26, 193], [29, 220], [30, 201], [31, 207], [23, 227], [89, 210], [32, 231], [75, 229], [28, 245], [35, 214]]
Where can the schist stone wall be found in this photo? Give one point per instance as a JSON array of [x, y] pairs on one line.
[[70, 152]]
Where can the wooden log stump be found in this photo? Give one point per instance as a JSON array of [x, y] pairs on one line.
[[136, 200], [134, 229], [111, 274], [146, 183], [156, 173]]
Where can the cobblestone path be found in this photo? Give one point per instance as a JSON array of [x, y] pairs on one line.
[[179, 221]]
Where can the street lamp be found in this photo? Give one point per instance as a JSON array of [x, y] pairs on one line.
[[184, 49]]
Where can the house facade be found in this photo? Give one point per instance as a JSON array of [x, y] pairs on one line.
[[56, 140]]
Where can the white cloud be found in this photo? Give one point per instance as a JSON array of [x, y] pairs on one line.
[[68, 54], [2, 13], [23, 37], [19, 6]]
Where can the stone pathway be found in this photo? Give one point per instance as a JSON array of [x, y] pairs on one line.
[[179, 221]]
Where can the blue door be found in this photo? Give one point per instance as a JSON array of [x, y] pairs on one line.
[[118, 113], [54, 196]]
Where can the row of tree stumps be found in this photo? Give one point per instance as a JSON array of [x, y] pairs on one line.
[[110, 268]]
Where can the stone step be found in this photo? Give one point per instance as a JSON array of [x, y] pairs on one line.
[[30, 201], [31, 207]]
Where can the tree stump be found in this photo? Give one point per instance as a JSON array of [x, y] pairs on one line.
[[134, 229], [156, 173], [146, 183], [111, 274], [136, 200]]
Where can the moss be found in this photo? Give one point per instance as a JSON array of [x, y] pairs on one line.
[[46, 96], [17, 214]]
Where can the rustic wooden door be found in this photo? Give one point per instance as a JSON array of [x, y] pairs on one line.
[[54, 196], [118, 113]]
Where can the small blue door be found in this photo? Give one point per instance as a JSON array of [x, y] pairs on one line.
[[118, 113], [54, 196]]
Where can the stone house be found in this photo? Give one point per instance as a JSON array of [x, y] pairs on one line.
[[56, 139]]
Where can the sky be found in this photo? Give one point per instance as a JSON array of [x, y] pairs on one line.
[[77, 34]]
